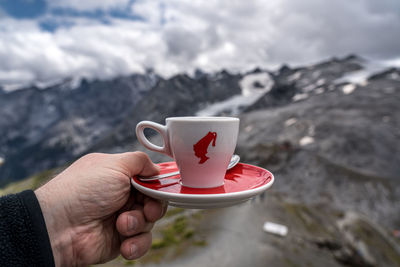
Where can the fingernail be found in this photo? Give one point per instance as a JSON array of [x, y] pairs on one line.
[[132, 223], [134, 251]]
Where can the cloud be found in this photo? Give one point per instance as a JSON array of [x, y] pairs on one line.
[[87, 50], [88, 5], [179, 36]]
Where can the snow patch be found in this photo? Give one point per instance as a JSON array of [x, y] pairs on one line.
[[394, 76], [319, 90], [348, 89], [299, 97], [320, 82], [256, 82], [231, 105], [360, 77], [290, 122], [306, 140], [253, 87], [309, 88], [294, 76]]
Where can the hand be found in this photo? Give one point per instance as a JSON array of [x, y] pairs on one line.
[[92, 215]]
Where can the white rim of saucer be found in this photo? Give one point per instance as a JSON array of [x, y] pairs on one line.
[[231, 195]]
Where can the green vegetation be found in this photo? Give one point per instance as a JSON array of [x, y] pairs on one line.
[[200, 243], [174, 233], [173, 238], [32, 182], [129, 262], [173, 212]]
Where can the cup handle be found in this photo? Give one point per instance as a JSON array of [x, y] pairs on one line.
[[161, 129]]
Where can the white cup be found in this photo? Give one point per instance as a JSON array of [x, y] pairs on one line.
[[201, 146]]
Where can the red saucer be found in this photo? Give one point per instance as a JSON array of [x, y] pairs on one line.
[[240, 178], [242, 182]]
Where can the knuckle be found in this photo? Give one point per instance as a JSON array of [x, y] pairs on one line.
[[142, 156]]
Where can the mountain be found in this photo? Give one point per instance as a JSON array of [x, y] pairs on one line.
[[298, 83], [179, 96], [334, 147], [328, 131], [45, 128]]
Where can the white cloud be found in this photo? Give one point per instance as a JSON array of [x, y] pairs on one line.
[[179, 36], [88, 5], [94, 51]]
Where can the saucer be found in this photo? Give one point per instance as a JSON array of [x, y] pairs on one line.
[[242, 182]]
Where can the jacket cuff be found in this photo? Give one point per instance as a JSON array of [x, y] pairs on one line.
[[40, 235]]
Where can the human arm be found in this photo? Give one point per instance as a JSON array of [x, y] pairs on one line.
[[92, 215]]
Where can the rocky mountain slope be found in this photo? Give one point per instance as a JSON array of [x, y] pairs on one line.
[[335, 147], [46, 128]]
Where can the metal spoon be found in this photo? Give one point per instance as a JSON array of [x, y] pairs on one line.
[[234, 160]]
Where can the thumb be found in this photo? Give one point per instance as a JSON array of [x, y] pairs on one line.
[[138, 163]]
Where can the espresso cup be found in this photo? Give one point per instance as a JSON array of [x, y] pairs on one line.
[[202, 147]]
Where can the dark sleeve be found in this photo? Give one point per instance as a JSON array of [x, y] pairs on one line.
[[24, 240]]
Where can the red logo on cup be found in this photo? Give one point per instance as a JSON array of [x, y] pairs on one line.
[[201, 147]]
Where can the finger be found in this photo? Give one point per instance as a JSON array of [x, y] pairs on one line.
[[138, 163], [153, 209], [132, 222], [135, 247], [164, 205]]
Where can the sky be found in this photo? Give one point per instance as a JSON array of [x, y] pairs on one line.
[[45, 41]]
